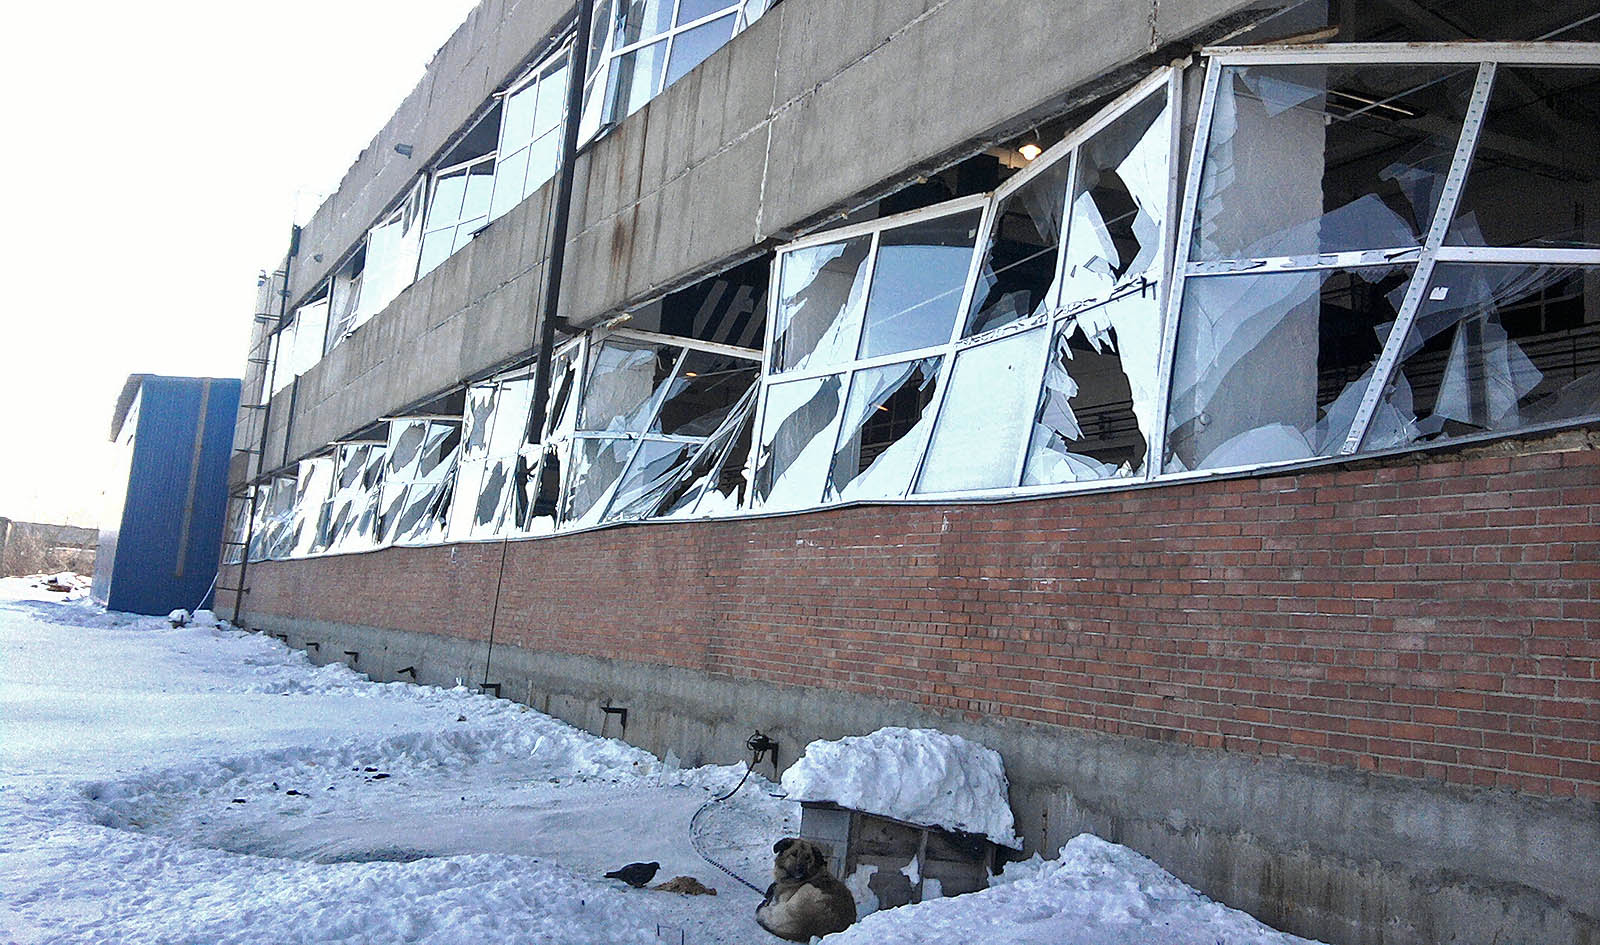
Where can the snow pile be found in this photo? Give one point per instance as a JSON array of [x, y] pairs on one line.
[[917, 775], [1097, 893]]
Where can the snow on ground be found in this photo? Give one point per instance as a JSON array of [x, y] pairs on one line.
[[206, 785], [203, 785], [918, 775], [1097, 893]]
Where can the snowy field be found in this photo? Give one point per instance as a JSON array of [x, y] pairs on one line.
[[203, 785]]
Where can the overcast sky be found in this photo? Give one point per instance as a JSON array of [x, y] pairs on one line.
[[157, 154]]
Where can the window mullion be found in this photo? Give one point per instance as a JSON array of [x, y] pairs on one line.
[[1449, 197]]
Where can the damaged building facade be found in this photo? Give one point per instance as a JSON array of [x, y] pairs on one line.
[[1195, 401]]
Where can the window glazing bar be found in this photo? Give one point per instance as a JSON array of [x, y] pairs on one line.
[[1465, 53], [1450, 196]]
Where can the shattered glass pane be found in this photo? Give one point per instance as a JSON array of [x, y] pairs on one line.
[[692, 47], [1528, 186], [597, 465], [313, 485], [797, 438], [475, 421], [392, 250], [1272, 366], [1495, 348], [625, 385], [705, 389], [406, 439], [986, 414], [635, 77], [493, 497], [562, 406], [717, 471], [464, 507], [655, 468], [345, 293], [883, 430], [1309, 159], [540, 490], [917, 284], [438, 453], [426, 512], [822, 294], [1119, 205], [1017, 276], [359, 477], [1099, 401]]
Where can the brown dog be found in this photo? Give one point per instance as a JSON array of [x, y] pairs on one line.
[[804, 900]]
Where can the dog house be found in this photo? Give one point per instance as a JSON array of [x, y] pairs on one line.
[[907, 862], [915, 813]]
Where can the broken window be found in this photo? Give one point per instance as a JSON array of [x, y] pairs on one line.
[[1316, 158], [352, 516], [1272, 366], [312, 487], [821, 296], [649, 405], [460, 208], [344, 295], [716, 480], [392, 248], [1018, 272], [883, 430], [799, 423], [530, 134], [494, 435], [1494, 348], [1528, 186], [274, 531], [419, 480], [235, 535]]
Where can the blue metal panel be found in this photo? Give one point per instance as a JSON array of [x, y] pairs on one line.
[[171, 524]]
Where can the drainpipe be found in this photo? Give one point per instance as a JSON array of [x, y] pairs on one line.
[[266, 424], [557, 252]]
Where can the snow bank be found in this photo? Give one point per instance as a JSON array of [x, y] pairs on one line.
[[1097, 893], [918, 775]]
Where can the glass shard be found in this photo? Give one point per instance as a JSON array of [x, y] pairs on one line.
[[1099, 401], [1495, 348], [822, 294], [655, 467], [597, 465], [626, 382], [797, 441], [883, 431], [1311, 159], [705, 389], [1272, 366]]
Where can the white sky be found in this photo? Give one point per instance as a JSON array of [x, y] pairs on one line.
[[156, 154]]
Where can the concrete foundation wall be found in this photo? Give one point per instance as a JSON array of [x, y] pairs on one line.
[[1360, 703]]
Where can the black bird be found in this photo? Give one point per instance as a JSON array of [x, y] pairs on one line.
[[635, 874]]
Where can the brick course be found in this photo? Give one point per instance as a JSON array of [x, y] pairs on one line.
[[1433, 619]]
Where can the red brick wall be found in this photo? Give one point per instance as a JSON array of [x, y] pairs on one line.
[[1435, 620]]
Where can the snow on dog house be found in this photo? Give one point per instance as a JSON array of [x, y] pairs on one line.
[[917, 813]]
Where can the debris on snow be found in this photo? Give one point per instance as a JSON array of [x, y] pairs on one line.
[[920, 776]]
